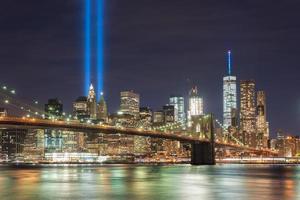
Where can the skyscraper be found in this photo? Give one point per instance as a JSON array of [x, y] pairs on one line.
[[91, 102], [80, 108], [102, 110], [178, 103], [169, 114], [53, 109], [247, 112], [195, 105], [229, 96], [130, 103], [262, 124]]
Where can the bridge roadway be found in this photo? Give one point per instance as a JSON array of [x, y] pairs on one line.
[[28, 123]]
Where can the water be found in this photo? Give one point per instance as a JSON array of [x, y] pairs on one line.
[[152, 182]]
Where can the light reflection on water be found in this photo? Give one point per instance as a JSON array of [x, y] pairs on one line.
[[152, 182]]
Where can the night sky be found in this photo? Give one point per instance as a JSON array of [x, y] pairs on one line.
[[157, 48]]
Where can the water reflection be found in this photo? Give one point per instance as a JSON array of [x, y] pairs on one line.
[[151, 182]]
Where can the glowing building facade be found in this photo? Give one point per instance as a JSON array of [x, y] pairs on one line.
[[130, 103], [102, 113], [80, 109], [262, 124], [178, 103], [195, 105], [248, 113], [92, 104], [229, 96]]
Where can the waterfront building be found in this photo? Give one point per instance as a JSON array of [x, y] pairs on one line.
[[248, 112], [287, 145], [195, 105], [54, 109], [34, 145], [261, 121], [12, 143], [229, 96], [53, 141], [80, 109], [92, 103], [130, 103], [178, 102]]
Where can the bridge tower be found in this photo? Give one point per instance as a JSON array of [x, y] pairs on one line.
[[203, 153]]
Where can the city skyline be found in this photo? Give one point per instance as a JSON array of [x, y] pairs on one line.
[[158, 86]]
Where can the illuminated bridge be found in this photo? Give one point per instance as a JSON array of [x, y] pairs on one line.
[[203, 149]]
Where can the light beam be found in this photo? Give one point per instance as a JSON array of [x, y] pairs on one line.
[[100, 45], [229, 62], [87, 49]]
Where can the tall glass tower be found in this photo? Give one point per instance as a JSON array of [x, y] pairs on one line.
[[229, 95], [178, 102], [195, 105]]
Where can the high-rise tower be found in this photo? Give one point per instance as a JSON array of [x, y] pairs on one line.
[[92, 104], [178, 103], [261, 123], [195, 105], [229, 95], [248, 112], [102, 109], [130, 103]]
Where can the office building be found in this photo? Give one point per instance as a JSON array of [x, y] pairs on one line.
[[102, 113], [12, 143], [130, 103], [195, 105], [262, 124], [92, 103], [158, 117], [178, 103], [80, 109], [229, 96], [169, 114], [54, 109], [248, 113]]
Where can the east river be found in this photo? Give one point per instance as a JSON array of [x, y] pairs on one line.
[[151, 182]]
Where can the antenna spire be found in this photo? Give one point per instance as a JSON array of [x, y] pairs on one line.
[[229, 62]]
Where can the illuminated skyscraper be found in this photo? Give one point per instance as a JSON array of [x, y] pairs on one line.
[[248, 112], [229, 96], [262, 124], [169, 114], [195, 105], [102, 110], [92, 104], [80, 108], [178, 103], [158, 117], [130, 103], [53, 109]]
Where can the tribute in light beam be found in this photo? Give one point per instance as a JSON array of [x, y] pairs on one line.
[[100, 45], [229, 63], [87, 49]]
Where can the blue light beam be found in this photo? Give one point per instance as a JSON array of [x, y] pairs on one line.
[[87, 49], [229, 62], [100, 45]]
